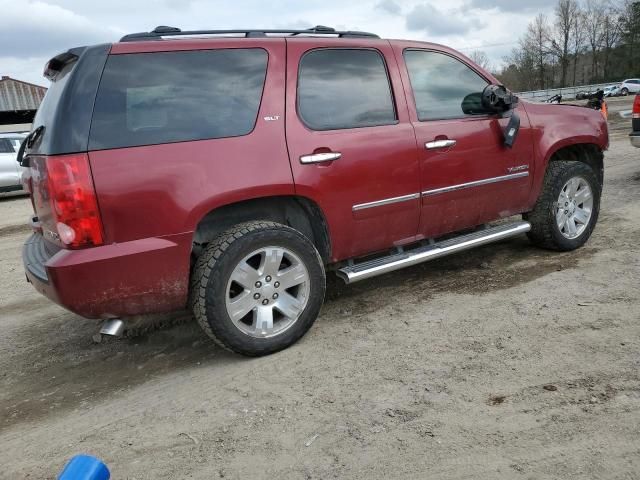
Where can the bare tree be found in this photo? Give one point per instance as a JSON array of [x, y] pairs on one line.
[[480, 58], [566, 13], [593, 21], [611, 34], [578, 35], [536, 42]]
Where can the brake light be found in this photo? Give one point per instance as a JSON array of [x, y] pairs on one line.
[[73, 200], [636, 107]]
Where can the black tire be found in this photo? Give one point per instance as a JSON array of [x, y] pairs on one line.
[[545, 232], [213, 270], [624, 92]]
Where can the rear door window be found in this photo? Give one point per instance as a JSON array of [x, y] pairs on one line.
[[344, 88], [153, 98]]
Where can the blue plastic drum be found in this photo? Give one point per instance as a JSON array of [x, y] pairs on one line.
[[85, 467]]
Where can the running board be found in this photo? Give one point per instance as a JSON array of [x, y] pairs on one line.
[[396, 261]]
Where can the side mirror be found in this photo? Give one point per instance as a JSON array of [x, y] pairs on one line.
[[472, 104], [497, 99]]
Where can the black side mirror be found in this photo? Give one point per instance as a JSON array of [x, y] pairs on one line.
[[472, 104], [497, 99]]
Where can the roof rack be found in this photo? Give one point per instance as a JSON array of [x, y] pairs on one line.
[[164, 31]]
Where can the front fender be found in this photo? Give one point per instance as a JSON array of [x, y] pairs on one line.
[[556, 127]]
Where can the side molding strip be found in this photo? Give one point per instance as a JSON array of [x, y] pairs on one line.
[[386, 201], [476, 183]]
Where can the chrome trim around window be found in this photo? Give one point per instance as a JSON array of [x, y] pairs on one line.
[[386, 201], [476, 183]]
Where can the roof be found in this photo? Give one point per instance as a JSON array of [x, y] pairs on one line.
[[19, 95]]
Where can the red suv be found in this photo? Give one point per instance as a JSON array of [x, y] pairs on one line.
[[228, 170]]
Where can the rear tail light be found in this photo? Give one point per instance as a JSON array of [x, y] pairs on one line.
[[636, 107], [73, 201]]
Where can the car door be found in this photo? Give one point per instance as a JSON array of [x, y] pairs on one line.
[[468, 177], [351, 145]]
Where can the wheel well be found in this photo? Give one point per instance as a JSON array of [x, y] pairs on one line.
[[297, 212], [583, 152]]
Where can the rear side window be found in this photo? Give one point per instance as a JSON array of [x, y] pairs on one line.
[[443, 86], [6, 146], [344, 88], [153, 98]]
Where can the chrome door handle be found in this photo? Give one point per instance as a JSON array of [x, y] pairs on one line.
[[435, 144], [320, 157]]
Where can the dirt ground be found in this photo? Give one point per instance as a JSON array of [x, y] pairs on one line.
[[506, 362]]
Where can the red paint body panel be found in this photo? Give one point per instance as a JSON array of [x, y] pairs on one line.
[[377, 163], [478, 154], [151, 198], [129, 278], [558, 126]]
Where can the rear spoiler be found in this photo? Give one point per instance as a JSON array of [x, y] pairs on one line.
[[57, 63]]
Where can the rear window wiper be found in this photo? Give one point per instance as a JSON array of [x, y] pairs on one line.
[[28, 142]]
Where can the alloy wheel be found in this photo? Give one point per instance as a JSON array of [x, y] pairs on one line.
[[574, 207], [267, 292]]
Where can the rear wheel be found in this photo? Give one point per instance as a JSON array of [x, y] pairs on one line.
[[258, 288], [567, 210]]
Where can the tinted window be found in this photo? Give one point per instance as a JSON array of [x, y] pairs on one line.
[[6, 146], [151, 98], [344, 89], [441, 84]]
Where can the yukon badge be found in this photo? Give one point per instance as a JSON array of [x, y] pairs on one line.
[[519, 168]]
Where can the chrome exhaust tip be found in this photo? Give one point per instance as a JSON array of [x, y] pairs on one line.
[[113, 327]]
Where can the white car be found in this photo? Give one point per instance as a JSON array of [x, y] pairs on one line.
[[611, 91], [10, 170], [631, 85]]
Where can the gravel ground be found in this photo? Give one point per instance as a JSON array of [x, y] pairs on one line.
[[504, 362]]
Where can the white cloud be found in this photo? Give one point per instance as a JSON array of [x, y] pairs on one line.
[[428, 18], [32, 31]]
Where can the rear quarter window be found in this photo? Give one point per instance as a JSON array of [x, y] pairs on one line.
[[154, 98]]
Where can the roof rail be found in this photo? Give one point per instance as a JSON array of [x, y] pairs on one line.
[[165, 31]]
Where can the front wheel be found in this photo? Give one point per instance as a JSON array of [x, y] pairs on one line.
[[624, 92], [258, 288], [567, 210]]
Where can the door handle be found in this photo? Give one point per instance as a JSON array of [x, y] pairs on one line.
[[436, 144], [320, 157]]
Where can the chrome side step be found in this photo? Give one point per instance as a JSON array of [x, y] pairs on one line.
[[378, 266]]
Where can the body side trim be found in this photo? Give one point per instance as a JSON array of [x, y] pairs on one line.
[[476, 183], [386, 201]]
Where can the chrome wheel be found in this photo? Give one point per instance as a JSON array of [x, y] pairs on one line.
[[267, 292], [574, 207]]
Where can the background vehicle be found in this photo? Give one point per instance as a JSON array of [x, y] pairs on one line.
[[229, 174], [554, 99], [631, 85], [634, 136], [10, 170], [611, 91]]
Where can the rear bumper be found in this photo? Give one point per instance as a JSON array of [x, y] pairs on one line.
[[142, 276], [635, 139]]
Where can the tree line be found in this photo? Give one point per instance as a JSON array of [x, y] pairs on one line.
[[590, 41]]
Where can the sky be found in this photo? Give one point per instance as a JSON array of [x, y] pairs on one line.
[[32, 31]]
